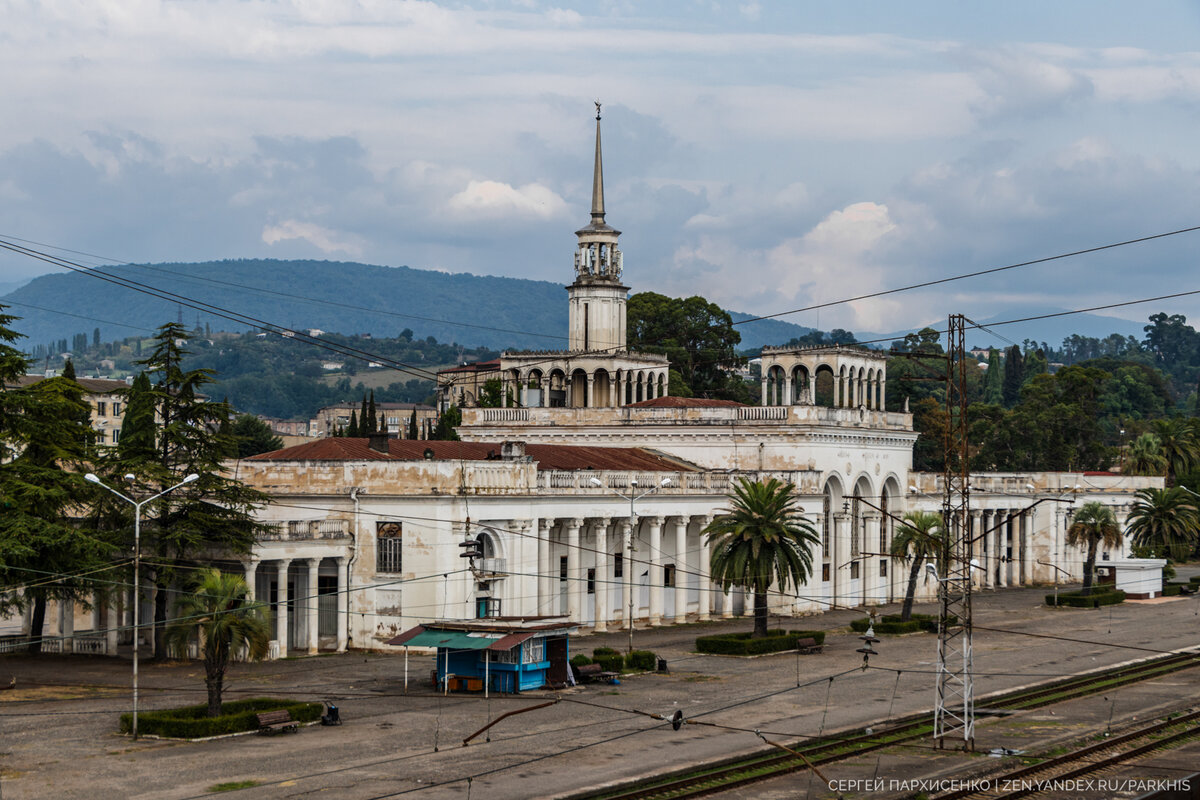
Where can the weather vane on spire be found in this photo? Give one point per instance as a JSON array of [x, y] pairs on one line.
[[597, 102]]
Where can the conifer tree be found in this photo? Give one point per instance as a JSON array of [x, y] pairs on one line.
[[372, 420], [69, 370], [412, 425], [362, 418], [993, 379], [353, 431], [1014, 376]]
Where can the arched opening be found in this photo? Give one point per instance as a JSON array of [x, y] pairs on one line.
[[825, 387], [831, 499], [601, 387], [660, 390], [801, 388], [639, 387], [556, 393], [578, 394]]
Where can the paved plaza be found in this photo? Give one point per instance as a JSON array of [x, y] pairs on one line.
[[58, 739]]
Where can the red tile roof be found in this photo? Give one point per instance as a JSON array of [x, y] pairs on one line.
[[547, 456], [685, 402]]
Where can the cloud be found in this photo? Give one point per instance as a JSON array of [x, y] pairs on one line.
[[325, 240], [495, 199]]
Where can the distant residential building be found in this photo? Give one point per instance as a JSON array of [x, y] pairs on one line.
[[107, 401], [396, 416]]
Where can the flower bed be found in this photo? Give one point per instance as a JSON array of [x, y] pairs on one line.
[[740, 644], [193, 722]]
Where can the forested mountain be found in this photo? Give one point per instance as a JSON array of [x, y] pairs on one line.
[[343, 297]]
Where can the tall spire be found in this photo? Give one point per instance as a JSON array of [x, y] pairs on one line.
[[598, 178]]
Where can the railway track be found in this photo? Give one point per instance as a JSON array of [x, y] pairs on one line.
[[1042, 776], [815, 752]]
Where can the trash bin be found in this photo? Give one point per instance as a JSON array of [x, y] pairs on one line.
[[662, 665]]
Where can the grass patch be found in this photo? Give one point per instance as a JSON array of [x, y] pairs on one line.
[[193, 722], [232, 786]]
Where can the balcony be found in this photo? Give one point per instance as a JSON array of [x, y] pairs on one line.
[[305, 530]]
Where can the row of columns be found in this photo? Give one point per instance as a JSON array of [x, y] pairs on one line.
[[307, 584], [639, 385], [606, 534], [847, 392]]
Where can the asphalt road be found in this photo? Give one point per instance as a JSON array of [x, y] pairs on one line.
[[57, 730]]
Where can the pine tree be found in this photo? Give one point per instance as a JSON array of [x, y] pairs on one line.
[[68, 371], [353, 431], [412, 425], [214, 514]]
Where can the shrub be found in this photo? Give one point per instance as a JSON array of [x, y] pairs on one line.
[[608, 659], [580, 660], [1172, 589], [740, 644], [1094, 600], [192, 722], [892, 624], [642, 660]]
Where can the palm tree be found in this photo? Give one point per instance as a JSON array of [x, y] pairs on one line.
[[919, 537], [1167, 519], [1093, 524], [760, 539], [217, 610], [1145, 457], [1179, 445]]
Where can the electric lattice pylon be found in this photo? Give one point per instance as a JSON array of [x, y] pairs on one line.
[[954, 715]]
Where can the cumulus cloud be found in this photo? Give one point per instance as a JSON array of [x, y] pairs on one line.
[[325, 240], [495, 199]]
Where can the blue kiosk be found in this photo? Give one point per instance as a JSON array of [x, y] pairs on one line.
[[499, 654]]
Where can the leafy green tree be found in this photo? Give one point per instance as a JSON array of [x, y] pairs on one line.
[[930, 421], [918, 539], [214, 514], [1145, 457], [252, 436], [1166, 520], [1093, 524], [1035, 364], [218, 614], [697, 336], [761, 539]]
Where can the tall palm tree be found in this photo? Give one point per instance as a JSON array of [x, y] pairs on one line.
[[918, 538], [761, 539], [217, 610], [1166, 519], [1180, 446], [1145, 457], [1094, 523]]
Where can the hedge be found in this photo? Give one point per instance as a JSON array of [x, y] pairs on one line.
[[892, 624], [740, 644], [1173, 589], [1094, 600], [580, 660], [193, 722], [642, 660], [608, 659]]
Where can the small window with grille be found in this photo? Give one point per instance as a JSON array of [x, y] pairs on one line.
[[562, 568], [825, 572], [389, 540], [853, 570], [883, 567]]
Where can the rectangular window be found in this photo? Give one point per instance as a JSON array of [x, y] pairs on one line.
[[101, 409], [618, 565], [668, 574], [389, 538], [853, 570], [562, 568], [591, 580], [883, 567], [116, 434], [533, 651], [510, 656], [487, 607], [116, 409], [825, 572], [100, 437]]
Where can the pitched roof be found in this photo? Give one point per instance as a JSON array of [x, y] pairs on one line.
[[92, 385], [547, 456], [478, 366], [685, 402]]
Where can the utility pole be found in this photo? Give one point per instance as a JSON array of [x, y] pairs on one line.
[[954, 714]]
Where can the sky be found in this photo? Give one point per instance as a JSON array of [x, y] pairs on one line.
[[768, 156]]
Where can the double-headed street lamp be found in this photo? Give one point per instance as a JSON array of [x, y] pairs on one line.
[[137, 562], [629, 542]]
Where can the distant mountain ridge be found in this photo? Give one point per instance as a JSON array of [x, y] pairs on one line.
[[474, 310]]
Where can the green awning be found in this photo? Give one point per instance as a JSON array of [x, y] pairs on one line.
[[453, 640]]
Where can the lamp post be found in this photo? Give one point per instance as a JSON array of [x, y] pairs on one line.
[[632, 522], [137, 563]]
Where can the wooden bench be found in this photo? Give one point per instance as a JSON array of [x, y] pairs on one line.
[[587, 673], [808, 646], [272, 721]]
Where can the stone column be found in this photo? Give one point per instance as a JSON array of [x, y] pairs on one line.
[[575, 587], [787, 390], [654, 576], [251, 568], [839, 544], [545, 570], [681, 526], [1003, 551], [591, 390], [1026, 530], [281, 605], [600, 598], [343, 603], [66, 624], [703, 583], [311, 606], [979, 548], [627, 598], [113, 626], [763, 380]]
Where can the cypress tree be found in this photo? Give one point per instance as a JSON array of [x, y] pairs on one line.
[[412, 425], [993, 379], [362, 418], [69, 370], [372, 420], [1014, 376], [352, 431]]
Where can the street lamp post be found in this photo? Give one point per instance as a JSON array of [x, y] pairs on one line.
[[137, 563], [632, 522]]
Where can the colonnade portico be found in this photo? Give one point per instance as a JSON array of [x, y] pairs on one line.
[[309, 614], [838, 376]]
